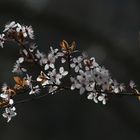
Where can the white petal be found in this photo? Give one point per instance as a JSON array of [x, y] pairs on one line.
[[52, 66], [89, 88], [104, 102], [58, 82], [21, 60], [90, 96], [23, 69], [72, 65], [13, 108], [9, 119], [95, 100], [79, 77], [100, 98], [46, 67], [39, 79], [65, 73], [79, 59], [61, 70], [77, 85], [72, 87], [63, 60], [82, 90], [76, 69], [4, 96], [45, 83], [116, 90], [25, 52], [58, 76], [11, 101], [74, 60]]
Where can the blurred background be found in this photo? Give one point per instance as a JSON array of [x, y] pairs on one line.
[[107, 30]]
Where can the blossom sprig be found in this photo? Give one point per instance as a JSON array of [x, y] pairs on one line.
[[63, 68]]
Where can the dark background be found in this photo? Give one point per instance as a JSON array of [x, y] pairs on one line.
[[107, 30]]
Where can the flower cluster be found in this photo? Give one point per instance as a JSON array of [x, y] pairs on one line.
[[63, 68]]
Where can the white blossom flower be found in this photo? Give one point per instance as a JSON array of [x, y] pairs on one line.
[[11, 101], [76, 63], [10, 26], [75, 83], [83, 82], [62, 72], [32, 47], [122, 87], [43, 79], [9, 113], [93, 96], [20, 60], [28, 80], [18, 69], [52, 89], [30, 32], [50, 62], [34, 90], [22, 29], [56, 77], [132, 84], [102, 98], [2, 40], [115, 86], [102, 77], [55, 53], [41, 57]]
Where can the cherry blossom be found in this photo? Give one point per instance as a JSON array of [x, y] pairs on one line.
[[9, 113], [9, 26], [30, 32], [76, 63], [132, 84]]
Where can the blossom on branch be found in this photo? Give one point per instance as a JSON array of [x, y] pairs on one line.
[[63, 68], [9, 113]]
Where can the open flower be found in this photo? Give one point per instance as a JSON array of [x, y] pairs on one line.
[[32, 47], [34, 90], [97, 98], [83, 82], [49, 62], [52, 89], [76, 63], [30, 32], [21, 30], [102, 98], [55, 53], [28, 80], [56, 77], [10, 26], [93, 96], [132, 84], [9, 113], [17, 68], [43, 79]]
